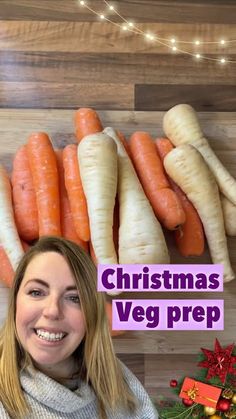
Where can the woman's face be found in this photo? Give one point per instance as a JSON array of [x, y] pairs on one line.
[[49, 320]]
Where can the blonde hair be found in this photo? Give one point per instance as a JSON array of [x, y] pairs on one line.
[[99, 365]]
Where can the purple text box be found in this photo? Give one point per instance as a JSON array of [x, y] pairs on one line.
[[160, 278], [168, 314]]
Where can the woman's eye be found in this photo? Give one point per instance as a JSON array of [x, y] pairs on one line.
[[74, 298], [35, 293]]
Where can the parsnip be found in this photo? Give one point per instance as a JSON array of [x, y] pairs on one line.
[[188, 169], [9, 237], [141, 239], [181, 126], [229, 211], [97, 156]]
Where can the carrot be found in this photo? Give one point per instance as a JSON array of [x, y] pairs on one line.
[[229, 211], [24, 197], [9, 237], [186, 166], [97, 155], [75, 192], [164, 146], [6, 269], [181, 126], [86, 122], [141, 238], [67, 224], [25, 245], [190, 236], [43, 167], [164, 201]]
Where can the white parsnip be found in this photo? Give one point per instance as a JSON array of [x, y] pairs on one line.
[[141, 239], [181, 126], [97, 156], [229, 211], [186, 166], [9, 237]]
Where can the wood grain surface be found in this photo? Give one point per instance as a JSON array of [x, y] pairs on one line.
[[56, 56]]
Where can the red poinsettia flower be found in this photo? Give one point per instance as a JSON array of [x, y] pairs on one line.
[[219, 362]]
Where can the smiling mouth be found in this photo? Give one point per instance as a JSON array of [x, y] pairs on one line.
[[49, 337]]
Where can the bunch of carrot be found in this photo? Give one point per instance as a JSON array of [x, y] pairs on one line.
[[108, 195], [45, 197], [177, 198]]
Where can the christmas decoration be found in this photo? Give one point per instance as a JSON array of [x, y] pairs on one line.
[[173, 383], [187, 402], [233, 400], [230, 414], [167, 41], [223, 405], [209, 410], [227, 393], [211, 393], [200, 393], [219, 362]]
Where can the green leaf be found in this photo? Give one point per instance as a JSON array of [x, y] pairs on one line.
[[178, 411]]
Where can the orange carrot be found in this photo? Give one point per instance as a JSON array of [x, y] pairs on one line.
[[25, 245], [24, 197], [6, 269], [67, 224], [190, 236], [43, 167], [75, 192], [109, 318], [149, 167], [164, 146], [86, 122]]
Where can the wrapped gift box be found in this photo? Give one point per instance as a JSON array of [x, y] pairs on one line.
[[201, 393]]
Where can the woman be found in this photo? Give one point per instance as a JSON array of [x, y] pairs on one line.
[[56, 354]]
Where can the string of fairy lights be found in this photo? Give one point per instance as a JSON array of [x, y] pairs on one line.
[[170, 43]]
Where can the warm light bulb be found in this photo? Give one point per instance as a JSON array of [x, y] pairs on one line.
[[149, 36], [198, 56], [222, 41], [197, 42], [222, 60], [124, 28], [174, 48], [130, 24], [173, 41], [111, 7], [82, 3], [102, 16]]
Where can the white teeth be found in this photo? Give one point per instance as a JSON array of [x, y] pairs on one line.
[[49, 336]]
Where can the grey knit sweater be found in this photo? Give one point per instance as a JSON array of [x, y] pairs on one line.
[[49, 399]]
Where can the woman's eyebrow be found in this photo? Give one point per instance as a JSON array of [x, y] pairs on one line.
[[41, 282]]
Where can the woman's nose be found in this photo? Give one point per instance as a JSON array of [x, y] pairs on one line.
[[52, 308]]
